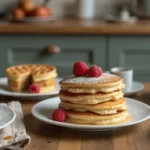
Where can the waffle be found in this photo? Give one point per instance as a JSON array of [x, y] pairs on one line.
[[88, 98], [96, 119], [43, 72], [110, 107], [38, 72], [106, 83], [45, 82], [21, 76]]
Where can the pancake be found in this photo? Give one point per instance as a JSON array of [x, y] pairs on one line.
[[96, 119], [106, 83], [110, 107], [87, 98]]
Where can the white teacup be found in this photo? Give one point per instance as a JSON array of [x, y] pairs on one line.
[[126, 74]]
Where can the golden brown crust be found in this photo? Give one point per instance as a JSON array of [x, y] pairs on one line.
[[96, 119], [21, 76], [110, 107], [126, 119], [34, 69], [88, 98], [104, 105], [45, 83], [106, 83]]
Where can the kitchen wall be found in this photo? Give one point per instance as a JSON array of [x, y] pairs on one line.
[[67, 7]]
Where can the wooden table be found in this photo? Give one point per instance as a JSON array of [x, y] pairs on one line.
[[48, 137]]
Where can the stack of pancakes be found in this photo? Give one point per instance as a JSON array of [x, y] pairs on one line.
[[97, 101], [22, 76]]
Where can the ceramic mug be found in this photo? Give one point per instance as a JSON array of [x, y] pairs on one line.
[[86, 9], [126, 74]]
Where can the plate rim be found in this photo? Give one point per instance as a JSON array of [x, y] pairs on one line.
[[13, 118], [18, 94], [94, 127]]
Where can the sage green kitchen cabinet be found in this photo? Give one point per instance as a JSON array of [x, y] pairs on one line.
[[132, 52], [25, 49]]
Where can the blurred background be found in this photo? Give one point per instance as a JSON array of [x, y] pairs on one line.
[[59, 32], [68, 7]]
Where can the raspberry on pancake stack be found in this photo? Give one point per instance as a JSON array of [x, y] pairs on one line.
[[38, 78], [93, 97]]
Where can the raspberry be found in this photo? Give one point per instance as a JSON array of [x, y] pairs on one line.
[[33, 88], [94, 71], [59, 115], [80, 68]]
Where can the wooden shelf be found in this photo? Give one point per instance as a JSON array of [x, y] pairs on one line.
[[74, 26]]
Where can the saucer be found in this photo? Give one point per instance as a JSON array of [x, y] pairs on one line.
[[136, 87], [137, 110]]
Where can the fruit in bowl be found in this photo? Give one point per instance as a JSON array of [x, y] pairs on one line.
[[41, 11], [27, 5], [18, 14], [26, 8]]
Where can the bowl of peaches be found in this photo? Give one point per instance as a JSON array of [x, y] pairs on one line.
[[27, 11]]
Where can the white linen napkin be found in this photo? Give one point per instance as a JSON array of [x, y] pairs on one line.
[[14, 136]]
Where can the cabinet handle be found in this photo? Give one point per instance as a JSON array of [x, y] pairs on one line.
[[53, 49]]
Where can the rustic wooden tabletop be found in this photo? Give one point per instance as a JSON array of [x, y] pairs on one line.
[[48, 137]]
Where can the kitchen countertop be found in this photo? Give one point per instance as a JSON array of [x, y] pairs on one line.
[[45, 136], [74, 26]]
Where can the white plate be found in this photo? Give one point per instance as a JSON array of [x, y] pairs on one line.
[[30, 96], [35, 19], [138, 111], [7, 116], [136, 87]]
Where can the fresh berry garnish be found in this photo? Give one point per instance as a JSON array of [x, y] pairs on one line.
[[80, 68], [33, 88], [59, 115], [94, 71]]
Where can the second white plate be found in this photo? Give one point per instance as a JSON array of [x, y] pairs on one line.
[[28, 96], [43, 110]]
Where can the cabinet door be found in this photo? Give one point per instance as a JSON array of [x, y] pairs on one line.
[[132, 52], [24, 49]]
